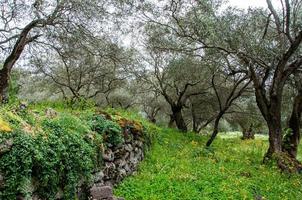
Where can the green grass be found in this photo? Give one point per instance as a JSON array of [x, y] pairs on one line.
[[178, 167]]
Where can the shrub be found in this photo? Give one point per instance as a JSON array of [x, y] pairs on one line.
[[60, 156], [16, 164], [111, 131]]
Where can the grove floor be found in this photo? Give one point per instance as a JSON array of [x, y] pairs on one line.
[[179, 168]]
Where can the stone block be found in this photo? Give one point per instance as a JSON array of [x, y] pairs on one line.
[[101, 192], [108, 155]]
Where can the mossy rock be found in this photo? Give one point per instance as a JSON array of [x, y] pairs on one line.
[[135, 126], [287, 163]]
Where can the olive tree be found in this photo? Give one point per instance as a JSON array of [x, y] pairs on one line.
[[82, 69], [267, 42], [174, 78], [23, 23]]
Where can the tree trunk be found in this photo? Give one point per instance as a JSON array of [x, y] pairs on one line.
[[4, 83], [6, 70], [272, 115], [215, 130], [195, 127], [14, 56], [194, 119], [171, 121], [152, 119], [248, 134], [292, 140], [271, 112], [273, 120], [179, 120]]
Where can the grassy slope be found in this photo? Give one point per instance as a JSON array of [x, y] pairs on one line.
[[178, 168], [59, 147]]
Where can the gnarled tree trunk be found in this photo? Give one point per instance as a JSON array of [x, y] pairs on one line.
[[292, 140], [179, 120], [248, 133], [215, 130], [14, 56], [272, 114], [275, 138], [4, 85], [171, 121]]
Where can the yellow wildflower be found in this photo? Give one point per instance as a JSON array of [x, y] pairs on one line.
[[4, 126]]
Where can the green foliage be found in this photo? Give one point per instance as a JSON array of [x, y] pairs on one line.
[[70, 159], [287, 133], [81, 105], [111, 131], [150, 129], [178, 167], [17, 165], [14, 86], [61, 154]]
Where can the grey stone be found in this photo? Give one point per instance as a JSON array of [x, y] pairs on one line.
[[128, 147], [119, 153], [119, 198], [51, 113], [140, 154], [108, 155], [100, 193], [120, 163], [138, 143], [109, 170], [121, 174], [22, 106], [126, 156], [258, 197], [6, 146], [98, 177], [127, 168], [133, 159], [109, 183]]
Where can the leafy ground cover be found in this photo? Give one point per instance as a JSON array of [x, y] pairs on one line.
[[56, 147], [178, 167]]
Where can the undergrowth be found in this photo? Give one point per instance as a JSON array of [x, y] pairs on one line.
[[62, 150], [178, 167], [55, 152]]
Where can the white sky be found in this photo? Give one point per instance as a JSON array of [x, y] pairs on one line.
[[252, 3]]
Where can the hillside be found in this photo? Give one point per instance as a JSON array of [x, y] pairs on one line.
[[58, 147], [64, 153]]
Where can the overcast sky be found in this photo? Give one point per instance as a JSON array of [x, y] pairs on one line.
[[247, 3], [251, 3]]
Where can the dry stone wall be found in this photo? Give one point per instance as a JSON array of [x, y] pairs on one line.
[[119, 161]]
